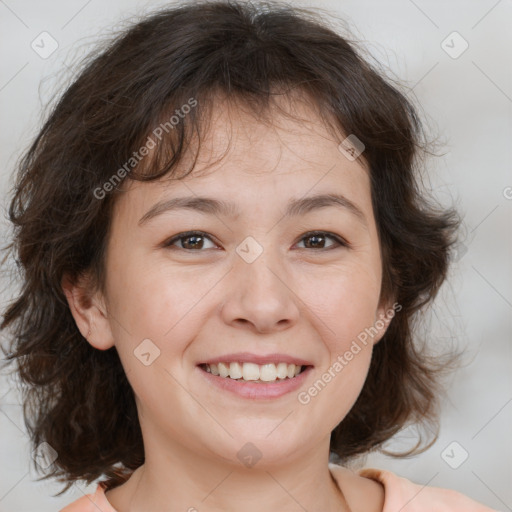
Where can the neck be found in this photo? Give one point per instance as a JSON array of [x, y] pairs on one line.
[[189, 482]]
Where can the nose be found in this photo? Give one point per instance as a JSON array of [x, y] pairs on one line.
[[260, 296]]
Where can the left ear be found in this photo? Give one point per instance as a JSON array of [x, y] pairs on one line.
[[383, 316]]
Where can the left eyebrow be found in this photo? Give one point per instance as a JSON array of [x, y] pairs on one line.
[[211, 206]]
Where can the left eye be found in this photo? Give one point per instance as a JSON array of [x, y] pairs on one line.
[[319, 237], [194, 240]]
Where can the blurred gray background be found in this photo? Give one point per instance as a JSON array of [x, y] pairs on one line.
[[454, 58]]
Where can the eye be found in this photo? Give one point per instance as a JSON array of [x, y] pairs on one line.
[[317, 240], [194, 240]]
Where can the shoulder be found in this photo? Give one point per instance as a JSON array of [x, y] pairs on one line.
[[90, 503], [406, 496], [80, 505], [362, 494]]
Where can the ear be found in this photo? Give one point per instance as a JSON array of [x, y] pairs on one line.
[[383, 316], [89, 311]]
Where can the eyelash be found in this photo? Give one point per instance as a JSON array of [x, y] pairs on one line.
[[186, 234]]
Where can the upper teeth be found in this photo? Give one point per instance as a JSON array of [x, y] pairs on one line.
[[251, 371]]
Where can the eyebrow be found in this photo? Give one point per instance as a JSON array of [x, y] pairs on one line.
[[211, 206]]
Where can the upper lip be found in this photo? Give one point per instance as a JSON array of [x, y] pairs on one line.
[[247, 357]]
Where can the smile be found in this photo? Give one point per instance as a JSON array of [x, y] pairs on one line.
[[254, 372], [246, 380]]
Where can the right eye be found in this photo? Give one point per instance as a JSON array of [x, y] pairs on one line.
[[194, 240]]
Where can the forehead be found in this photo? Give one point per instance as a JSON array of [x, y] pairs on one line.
[[289, 130], [290, 150]]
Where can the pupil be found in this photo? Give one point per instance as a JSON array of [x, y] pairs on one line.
[[317, 237], [192, 245]]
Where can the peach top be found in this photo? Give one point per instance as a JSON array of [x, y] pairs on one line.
[[399, 494]]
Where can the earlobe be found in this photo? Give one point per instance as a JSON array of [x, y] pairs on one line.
[[383, 317], [90, 314]]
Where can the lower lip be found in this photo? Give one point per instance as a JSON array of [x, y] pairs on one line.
[[257, 390]]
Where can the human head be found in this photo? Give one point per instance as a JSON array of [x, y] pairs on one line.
[[108, 113]]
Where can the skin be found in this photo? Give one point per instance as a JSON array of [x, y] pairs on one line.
[[296, 297]]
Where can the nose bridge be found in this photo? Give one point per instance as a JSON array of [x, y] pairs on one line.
[[261, 274], [258, 292]]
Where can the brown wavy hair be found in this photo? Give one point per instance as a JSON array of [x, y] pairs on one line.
[[77, 398]]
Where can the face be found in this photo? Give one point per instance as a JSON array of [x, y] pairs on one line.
[[251, 279]]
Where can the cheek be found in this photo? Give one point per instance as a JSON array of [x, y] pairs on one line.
[[160, 311], [345, 307], [151, 301], [346, 301], [153, 320], [346, 316], [339, 385]]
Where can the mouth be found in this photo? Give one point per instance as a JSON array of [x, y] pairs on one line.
[[255, 373], [249, 380]]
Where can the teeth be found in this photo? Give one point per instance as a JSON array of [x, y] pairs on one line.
[[235, 371], [223, 369], [268, 372], [252, 372], [282, 371]]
